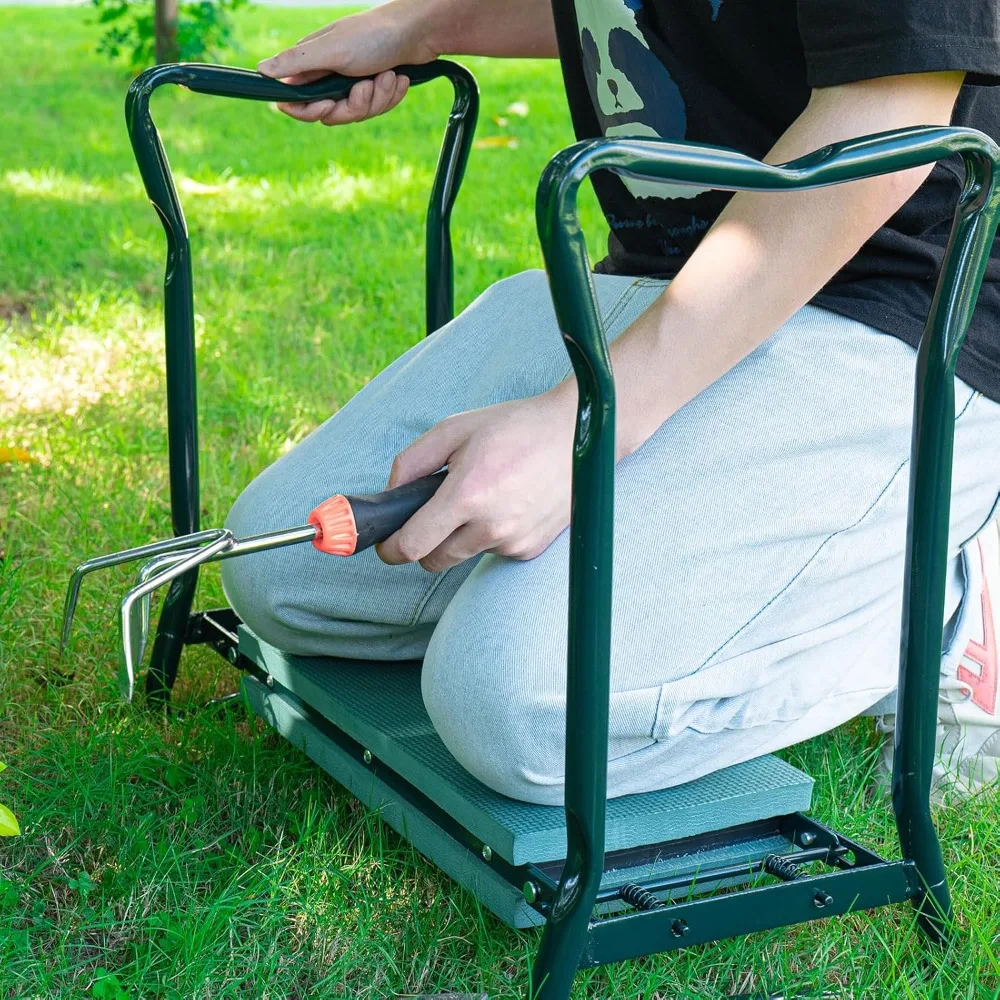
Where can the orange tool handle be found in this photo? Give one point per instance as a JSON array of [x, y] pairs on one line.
[[346, 523]]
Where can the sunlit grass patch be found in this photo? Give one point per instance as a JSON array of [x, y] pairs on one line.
[[334, 189], [84, 369], [47, 182]]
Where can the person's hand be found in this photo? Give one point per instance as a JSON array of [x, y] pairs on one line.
[[508, 484], [361, 45]]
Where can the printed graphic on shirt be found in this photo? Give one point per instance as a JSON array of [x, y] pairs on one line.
[[633, 93]]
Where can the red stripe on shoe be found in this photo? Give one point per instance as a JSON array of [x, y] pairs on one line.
[[984, 684]]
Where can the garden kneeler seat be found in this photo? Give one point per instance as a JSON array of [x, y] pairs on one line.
[[365, 724], [640, 874]]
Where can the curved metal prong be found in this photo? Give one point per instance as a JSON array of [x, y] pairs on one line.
[[116, 559], [147, 572], [130, 618], [241, 546]]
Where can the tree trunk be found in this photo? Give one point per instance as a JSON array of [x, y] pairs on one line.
[[166, 31]]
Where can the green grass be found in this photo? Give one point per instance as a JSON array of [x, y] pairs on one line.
[[204, 857]]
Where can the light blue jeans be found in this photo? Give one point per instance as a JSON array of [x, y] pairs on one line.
[[759, 548]]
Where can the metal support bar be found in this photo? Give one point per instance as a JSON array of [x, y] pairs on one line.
[[928, 527], [679, 925], [591, 529], [182, 419]]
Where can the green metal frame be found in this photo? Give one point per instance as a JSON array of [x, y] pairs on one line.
[[571, 937], [576, 934], [182, 420]]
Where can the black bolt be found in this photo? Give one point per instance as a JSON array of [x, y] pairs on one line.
[[822, 899], [679, 928]]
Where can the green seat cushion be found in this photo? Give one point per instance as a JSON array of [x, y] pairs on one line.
[[405, 812], [379, 705]]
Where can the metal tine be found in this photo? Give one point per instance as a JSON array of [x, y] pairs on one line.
[[117, 558], [134, 614], [130, 620], [147, 572], [139, 611]]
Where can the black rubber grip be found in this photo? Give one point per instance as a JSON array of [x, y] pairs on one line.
[[382, 514], [231, 81]]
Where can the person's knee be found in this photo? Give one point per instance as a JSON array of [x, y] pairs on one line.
[[496, 722]]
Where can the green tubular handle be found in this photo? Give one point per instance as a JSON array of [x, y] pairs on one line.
[[228, 81], [178, 292], [563, 946], [182, 423]]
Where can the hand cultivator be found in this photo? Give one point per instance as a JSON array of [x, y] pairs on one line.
[[608, 880], [340, 526]]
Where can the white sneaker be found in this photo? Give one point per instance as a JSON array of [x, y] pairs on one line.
[[968, 732]]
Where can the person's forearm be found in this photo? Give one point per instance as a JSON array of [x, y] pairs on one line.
[[767, 255], [372, 43], [506, 28]]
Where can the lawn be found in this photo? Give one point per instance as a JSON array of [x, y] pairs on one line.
[[203, 857]]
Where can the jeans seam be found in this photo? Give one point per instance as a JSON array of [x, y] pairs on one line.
[[655, 726], [994, 509], [991, 516], [615, 310], [428, 593], [840, 531]]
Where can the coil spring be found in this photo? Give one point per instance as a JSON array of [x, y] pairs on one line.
[[779, 867], [638, 897]]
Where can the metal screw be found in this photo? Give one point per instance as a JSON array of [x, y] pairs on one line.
[[530, 891], [487, 852], [679, 928], [822, 899], [232, 655], [808, 838], [367, 756], [269, 680]]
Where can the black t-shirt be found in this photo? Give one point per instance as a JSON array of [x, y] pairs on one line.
[[737, 73]]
